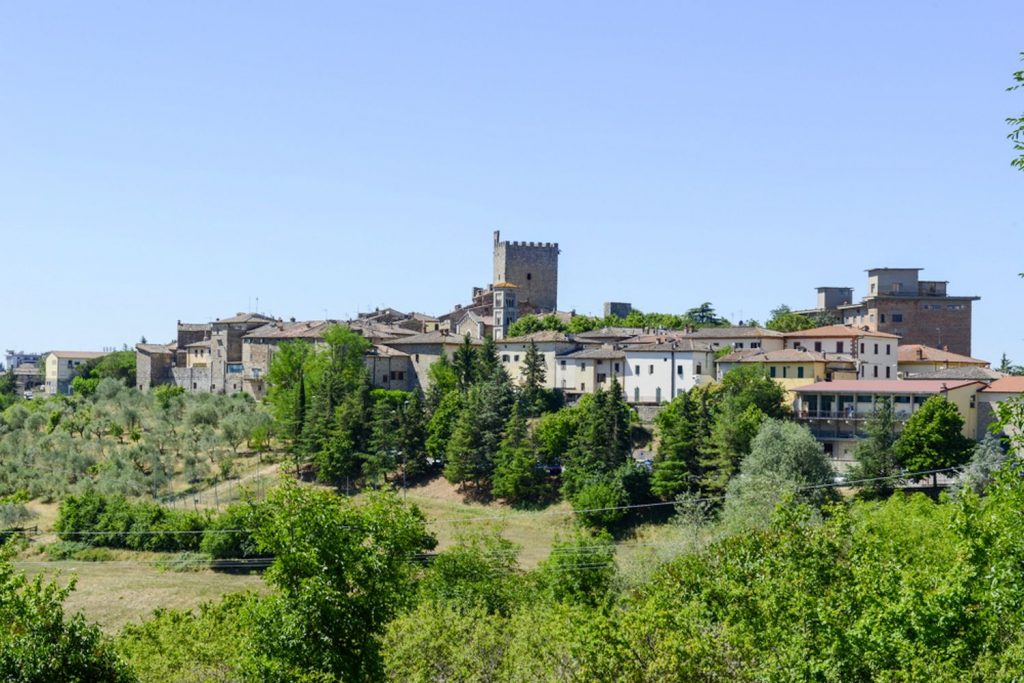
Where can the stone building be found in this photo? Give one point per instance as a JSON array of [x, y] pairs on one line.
[[899, 302], [533, 268]]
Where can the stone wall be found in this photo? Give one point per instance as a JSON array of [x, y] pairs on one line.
[[152, 369], [192, 380], [532, 267]]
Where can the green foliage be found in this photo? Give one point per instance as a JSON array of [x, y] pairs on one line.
[[580, 569], [477, 433], [340, 573], [478, 571], [118, 365], [599, 501], [518, 475], [987, 458], [684, 428], [785, 320], [39, 644], [115, 522], [176, 646], [1016, 135], [229, 534], [785, 463], [875, 458], [602, 441], [933, 438], [464, 364]]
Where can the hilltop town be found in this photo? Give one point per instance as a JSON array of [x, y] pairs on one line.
[[906, 339]]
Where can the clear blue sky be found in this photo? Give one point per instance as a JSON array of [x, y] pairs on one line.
[[165, 161]]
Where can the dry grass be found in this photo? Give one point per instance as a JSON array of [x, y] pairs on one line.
[[449, 515], [116, 593]]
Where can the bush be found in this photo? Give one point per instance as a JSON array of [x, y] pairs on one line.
[[598, 503], [115, 522]]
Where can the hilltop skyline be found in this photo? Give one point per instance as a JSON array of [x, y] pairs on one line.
[[169, 163]]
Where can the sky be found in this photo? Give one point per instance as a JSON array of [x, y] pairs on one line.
[[184, 161]]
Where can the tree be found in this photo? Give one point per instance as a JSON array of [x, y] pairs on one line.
[[705, 316], [488, 365], [340, 573], [987, 458], [477, 434], [1007, 367], [933, 437], [748, 396], [602, 441], [1016, 135], [464, 364], [785, 320], [286, 393], [785, 462], [38, 643], [684, 427], [875, 458], [517, 476], [534, 374]]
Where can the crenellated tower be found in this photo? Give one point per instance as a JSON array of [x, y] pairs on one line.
[[533, 268]]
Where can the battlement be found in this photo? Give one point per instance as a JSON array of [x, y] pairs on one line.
[[498, 242]]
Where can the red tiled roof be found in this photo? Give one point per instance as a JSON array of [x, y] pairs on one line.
[[845, 331], [911, 353], [1010, 384]]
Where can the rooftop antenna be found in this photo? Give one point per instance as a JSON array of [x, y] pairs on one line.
[[257, 305]]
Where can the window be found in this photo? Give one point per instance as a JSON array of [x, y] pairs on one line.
[[876, 371], [650, 369], [862, 371], [563, 363], [839, 347], [697, 371], [738, 345], [417, 358], [529, 276], [601, 377], [888, 371], [636, 370], [583, 366], [516, 358], [785, 371], [616, 367], [888, 349], [881, 317], [876, 349], [862, 348], [755, 345], [817, 346], [583, 386], [771, 371], [194, 385], [800, 371], [636, 394], [897, 317], [384, 378], [679, 370], [504, 358]]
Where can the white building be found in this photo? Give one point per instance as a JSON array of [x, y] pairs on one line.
[[658, 372], [876, 354], [550, 344], [739, 337]]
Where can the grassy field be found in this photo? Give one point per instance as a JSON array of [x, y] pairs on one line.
[[119, 592]]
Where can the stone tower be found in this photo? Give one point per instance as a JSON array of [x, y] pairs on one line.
[[533, 268]]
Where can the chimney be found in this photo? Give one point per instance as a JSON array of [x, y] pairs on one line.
[[920, 353]]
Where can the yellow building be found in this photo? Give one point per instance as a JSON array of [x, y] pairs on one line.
[[793, 368], [61, 368]]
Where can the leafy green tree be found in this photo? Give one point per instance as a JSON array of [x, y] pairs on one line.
[[385, 434], [441, 425], [987, 458], [684, 427], [39, 644], [783, 319], [413, 437], [341, 572], [785, 463], [933, 437], [286, 393], [479, 570], [442, 380], [705, 316], [875, 457], [580, 569], [488, 365]]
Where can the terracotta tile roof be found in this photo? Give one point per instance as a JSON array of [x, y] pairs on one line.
[[681, 345], [884, 386], [154, 348], [300, 329], [193, 327], [435, 337], [844, 331], [244, 318], [84, 355], [733, 332], [911, 353], [505, 285], [381, 350], [738, 355], [536, 337], [1011, 384]]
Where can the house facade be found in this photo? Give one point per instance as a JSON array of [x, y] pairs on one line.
[[60, 367], [875, 354]]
